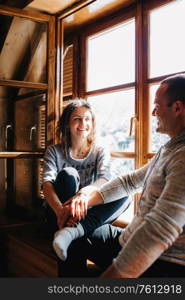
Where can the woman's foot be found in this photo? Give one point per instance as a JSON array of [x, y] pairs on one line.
[[63, 239]]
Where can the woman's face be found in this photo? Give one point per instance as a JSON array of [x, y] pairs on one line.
[[80, 123]]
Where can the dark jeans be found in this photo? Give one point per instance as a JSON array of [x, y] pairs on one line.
[[101, 247], [67, 185]]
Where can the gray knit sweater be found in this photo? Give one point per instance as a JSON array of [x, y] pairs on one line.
[[157, 230], [94, 166]]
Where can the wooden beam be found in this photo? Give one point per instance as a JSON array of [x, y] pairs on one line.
[[140, 66], [31, 94], [111, 89], [16, 12], [16, 83], [158, 79], [74, 7]]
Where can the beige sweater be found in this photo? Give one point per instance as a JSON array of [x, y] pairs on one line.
[[157, 229]]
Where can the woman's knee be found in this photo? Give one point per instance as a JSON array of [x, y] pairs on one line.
[[68, 172], [67, 183]]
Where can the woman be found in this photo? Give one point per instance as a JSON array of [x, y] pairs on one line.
[[75, 168]]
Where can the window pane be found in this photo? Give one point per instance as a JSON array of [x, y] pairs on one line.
[[121, 166], [167, 46], [23, 49], [157, 139], [111, 57], [113, 112]]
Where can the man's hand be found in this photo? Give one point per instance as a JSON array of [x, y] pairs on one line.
[[78, 205]]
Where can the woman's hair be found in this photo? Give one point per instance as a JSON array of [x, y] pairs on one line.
[[63, 124]]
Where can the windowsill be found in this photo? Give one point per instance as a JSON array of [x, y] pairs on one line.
[[120, 223]]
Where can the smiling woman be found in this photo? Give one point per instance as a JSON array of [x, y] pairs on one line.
[[74, 169]]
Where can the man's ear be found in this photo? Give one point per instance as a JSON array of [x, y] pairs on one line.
[[179, 107]]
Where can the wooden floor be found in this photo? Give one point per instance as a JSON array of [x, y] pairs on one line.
[[29, 253]]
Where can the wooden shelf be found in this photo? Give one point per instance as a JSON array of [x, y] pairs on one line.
[[26, 84], [9, 154]]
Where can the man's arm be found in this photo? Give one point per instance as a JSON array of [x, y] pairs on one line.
[[154, 232], [110, 191], [111, 272]]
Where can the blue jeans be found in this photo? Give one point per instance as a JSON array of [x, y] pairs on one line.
[[100, 247], [67, 185]]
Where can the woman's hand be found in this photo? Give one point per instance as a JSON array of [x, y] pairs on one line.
[[78, 205], [63, 215], [72, 222]]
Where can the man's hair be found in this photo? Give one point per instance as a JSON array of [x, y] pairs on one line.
[[176, 87], [64, 122]]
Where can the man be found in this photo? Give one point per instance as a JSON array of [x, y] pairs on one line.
[[153, 244]]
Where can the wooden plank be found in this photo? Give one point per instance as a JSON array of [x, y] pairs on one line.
[[16, 12], [152, 4], [17, 83], [52, 106], [123, 154], [139, 86], [21, 154], [111, 89], [37, 263], [59, 72], [75, 68], [74, 7], [145, 101], [150, 155], [31, 94], [160, 78]]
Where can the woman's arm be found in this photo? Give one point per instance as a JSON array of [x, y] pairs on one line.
[[51, 197], [61, 212]]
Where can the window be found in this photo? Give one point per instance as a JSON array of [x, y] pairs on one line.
[[157, 139], [113, 126], [111, 56], [166, 54], [167, 46]]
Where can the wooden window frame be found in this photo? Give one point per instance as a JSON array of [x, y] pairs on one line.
[[147, 7]]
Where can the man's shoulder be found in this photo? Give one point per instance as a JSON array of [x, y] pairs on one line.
[[177, 156]]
